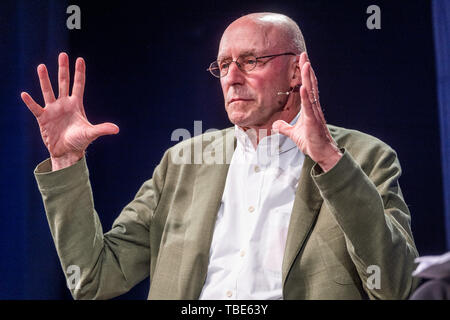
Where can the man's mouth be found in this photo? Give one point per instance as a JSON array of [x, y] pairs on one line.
[[238, 99]]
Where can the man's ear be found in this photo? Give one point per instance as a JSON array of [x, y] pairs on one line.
[[296, 79]]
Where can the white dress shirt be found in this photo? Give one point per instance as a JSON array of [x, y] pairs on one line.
[[250, 233]]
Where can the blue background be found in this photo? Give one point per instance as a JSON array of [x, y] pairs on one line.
[[146, 73]]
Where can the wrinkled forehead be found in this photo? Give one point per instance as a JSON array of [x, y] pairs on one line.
[[247, 38]]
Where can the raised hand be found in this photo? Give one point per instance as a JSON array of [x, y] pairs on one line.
[[64, 127], [310, 132]]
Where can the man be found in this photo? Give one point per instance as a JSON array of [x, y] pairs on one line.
[[304, 210]]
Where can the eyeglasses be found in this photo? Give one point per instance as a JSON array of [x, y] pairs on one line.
[[245, 63]]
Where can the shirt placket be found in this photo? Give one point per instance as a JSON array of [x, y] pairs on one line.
[[250, 215]]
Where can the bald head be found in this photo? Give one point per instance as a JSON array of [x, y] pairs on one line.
[[276, 28]]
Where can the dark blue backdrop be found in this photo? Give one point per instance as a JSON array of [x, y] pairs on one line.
[[146, 73]]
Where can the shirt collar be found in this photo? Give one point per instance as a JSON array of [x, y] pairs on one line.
[[280, 142]]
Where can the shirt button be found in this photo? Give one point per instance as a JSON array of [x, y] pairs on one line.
[[242, 253], [257, 169], [229, 293], [251, 208]]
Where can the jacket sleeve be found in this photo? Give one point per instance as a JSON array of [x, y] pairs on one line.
[[368, 205], [97, 265]]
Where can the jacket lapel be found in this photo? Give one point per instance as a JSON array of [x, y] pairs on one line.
[[307, 204], [207, 195]]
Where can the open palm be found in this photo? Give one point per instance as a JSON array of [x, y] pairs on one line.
[[64, 126]]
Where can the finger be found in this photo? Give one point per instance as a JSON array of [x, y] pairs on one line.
[[303, 59], [307, 108], [63, 74], [282, 127], [79, 79], [313, 79], [315, 94], [46, 86], [31, 104], [306, 92], [306, 81], [317, 106], [311, 96], [102, 129]]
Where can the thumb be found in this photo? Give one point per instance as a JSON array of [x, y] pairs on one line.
[[282, 127], [102, 129]]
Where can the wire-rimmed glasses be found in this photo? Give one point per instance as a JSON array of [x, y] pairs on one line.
[[245, 63]]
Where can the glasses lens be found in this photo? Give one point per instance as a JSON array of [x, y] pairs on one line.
[[214, 69], [247, 63], [223, 66]]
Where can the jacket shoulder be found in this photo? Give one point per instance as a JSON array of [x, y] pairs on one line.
[[364, 148], [354, 139]]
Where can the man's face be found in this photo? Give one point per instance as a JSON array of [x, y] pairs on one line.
[[251, 98]]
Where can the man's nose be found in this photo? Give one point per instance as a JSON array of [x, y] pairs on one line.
[[235, 75]]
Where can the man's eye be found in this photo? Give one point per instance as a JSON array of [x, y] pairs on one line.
[[224, 65], [250, 61]]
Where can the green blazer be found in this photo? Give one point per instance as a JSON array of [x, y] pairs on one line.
[[349, 226]]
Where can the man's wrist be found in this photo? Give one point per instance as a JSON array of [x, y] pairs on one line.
[[330, 161], [65, 161]]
